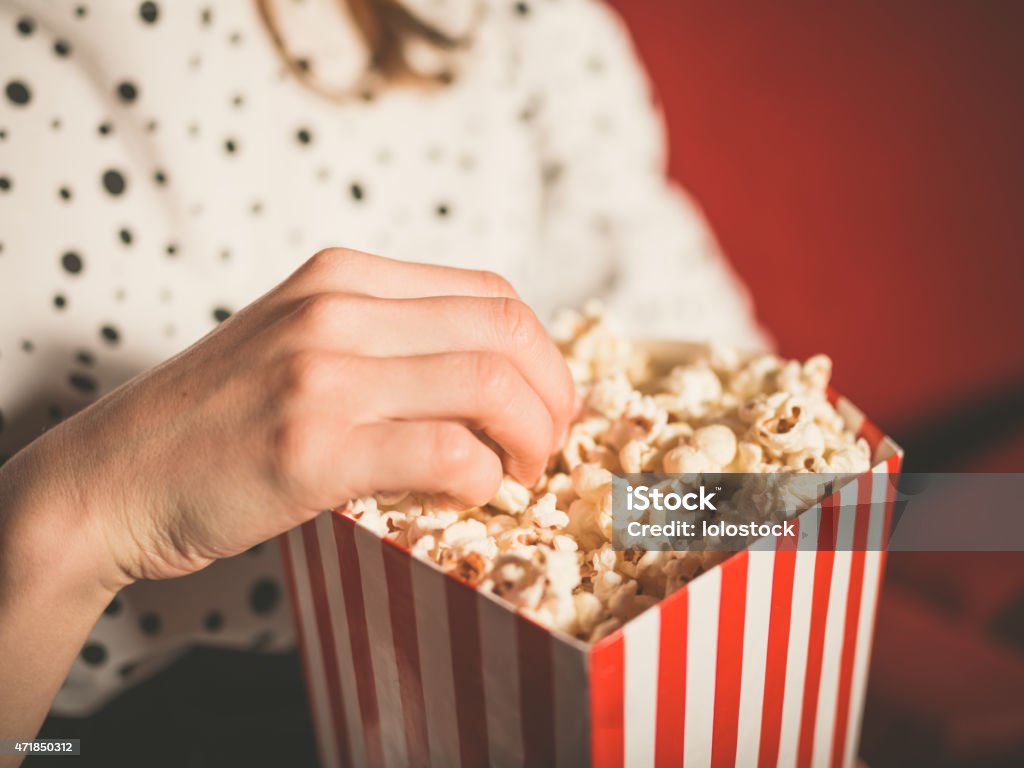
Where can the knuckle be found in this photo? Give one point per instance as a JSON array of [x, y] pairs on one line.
[[454, 451], [319, 311], [496, 286], [495, 377], [305, 373], [292, 451], [516, 324], [329, 261]]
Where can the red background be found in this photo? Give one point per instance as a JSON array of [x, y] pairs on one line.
[[863, 168]]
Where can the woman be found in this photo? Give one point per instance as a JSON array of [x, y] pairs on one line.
[[165, 164]]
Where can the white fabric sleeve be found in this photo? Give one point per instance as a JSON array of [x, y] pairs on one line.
[[84, 307], [84, 228], [619, 226]]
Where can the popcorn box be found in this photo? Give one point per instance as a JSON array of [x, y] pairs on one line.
[[760, 661]]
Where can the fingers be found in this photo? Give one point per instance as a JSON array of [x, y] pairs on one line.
[[436, 457], [482, 390], [367, 326], [346, 271]]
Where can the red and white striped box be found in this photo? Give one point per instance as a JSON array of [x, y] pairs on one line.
[[760, 661]]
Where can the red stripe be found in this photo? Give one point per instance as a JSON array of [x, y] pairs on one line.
[[536, 692], [671, 715], [607, 699], [778, 646], [729, 666], [467, 671], [846, 659], [407, 652], [816, 638], [318, 587], [352, 586], [289, 578]]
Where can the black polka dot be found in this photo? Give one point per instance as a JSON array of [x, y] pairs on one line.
[[5, 183], [127, 670], [60, 301], [171, 249], [160, 177], [264, 596], [56, 123], [18, 93], [56, 413], [82, 382], [125, 235], [110, 334], [213, 621], [113, 182], [303, 136], [62, 48], [235, 38], [149, 12], [238, 101], [64, 193], [150, 623], [28, 346], [220, 314], [522, 8], [442, 210], [71, 262], [230, 146], [127, 92], [206, 17], [85, 358], [26, 25], [81, 11], [357, 191], [113, 607], [105, 129], [94, 654]]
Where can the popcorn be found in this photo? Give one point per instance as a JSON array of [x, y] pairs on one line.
[[547, 550]]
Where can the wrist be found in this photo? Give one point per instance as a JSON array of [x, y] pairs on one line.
[[50, 540]]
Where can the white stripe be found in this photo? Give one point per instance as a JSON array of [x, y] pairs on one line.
[[311, 652], [760, 571], [640, 709], [835, 625], [799, 636], [572, 697], [339, 625], [382, 649], [432, 632], [853, 417], [499, 658], [866, 621], [701, 654]]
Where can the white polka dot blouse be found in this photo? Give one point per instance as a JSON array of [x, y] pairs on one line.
[[161, 166]]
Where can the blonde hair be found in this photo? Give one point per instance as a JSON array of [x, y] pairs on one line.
[[386, 27]]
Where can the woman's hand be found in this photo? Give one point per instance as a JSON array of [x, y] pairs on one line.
[[357, 374]]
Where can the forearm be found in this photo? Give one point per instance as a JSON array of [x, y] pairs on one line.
[[52, 589]]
